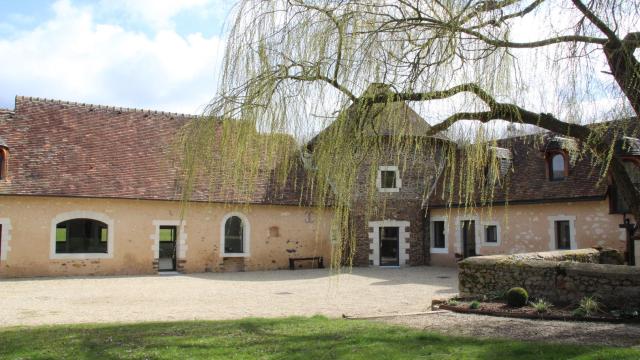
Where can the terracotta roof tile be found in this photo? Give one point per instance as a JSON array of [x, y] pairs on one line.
[[71, 149], [528, 179]]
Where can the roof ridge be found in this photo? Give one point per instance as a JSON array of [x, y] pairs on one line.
[[105, 107]]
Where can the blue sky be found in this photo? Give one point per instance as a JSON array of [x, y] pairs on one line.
[[157, 54]]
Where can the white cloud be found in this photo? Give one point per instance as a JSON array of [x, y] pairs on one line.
[[72, 57], [158, 14]]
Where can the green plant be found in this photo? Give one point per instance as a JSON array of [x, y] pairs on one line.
[[452, 302], [579, 312], [588, 306], [517, 297], [541, 306], [475, 304]]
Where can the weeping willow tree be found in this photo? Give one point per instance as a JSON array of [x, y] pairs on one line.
[[297, 67]]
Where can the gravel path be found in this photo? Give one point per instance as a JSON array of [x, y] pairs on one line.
[[521, 329], [222, 296]]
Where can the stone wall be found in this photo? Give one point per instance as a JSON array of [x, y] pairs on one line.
[[369, 205], [561, 277]]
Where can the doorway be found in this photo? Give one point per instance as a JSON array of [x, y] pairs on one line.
[[390, 246], [167, 254], [468, 233]]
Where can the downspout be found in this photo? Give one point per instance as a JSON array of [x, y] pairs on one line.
[[426, 223]]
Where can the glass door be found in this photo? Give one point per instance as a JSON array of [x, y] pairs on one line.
[[389, 246], [167, 259]]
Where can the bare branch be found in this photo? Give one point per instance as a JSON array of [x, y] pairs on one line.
[[595, 20]]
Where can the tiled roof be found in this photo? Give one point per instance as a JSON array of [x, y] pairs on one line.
[[81, 150], [387, 119], [528, 180]]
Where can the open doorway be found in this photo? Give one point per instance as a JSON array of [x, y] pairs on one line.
[[468, 233], [390, 246], [167, 253]]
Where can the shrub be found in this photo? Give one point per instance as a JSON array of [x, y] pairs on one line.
[[541, 306], [475, 304], [517, 297], [579, 312], [588, 305], [452, 302]]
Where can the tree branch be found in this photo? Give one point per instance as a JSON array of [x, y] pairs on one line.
[[595, 20]]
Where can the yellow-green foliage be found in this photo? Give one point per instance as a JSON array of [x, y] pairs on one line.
[[298, 67]]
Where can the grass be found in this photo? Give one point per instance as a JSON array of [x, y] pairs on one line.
[[286, 338]]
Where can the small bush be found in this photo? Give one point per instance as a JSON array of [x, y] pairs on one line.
[[588, 306], [541, 306], [452, 302], [475, 304], [579, 312], [517, 297]]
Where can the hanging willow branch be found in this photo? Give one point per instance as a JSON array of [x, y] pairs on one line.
[[345, 69]]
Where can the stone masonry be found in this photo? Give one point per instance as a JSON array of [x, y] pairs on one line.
[[561, 277]]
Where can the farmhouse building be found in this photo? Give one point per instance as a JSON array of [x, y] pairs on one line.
[[96, 190]]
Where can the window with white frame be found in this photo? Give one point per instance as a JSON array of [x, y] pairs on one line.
[[388, 179], [491, 233], [439, 241], [562, 232], [563, 235], [234, 235]]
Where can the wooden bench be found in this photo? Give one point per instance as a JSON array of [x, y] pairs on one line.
[[319, 259]]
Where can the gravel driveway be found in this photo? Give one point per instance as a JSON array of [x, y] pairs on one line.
[[366, 291]]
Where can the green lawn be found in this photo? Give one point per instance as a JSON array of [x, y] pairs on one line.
[[288, 338]]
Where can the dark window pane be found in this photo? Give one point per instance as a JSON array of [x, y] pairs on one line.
[[438, 234], [388, 179], [491, 232], [390, 233], [81, 236], [563, 235], [233, 237], [557, 167]]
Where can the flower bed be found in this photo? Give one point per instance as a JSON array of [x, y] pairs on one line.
[[500, 308]]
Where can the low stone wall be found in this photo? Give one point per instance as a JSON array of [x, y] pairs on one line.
[[561, 277]]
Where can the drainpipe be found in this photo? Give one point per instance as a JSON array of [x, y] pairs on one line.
[[426, 236], [630, 229]]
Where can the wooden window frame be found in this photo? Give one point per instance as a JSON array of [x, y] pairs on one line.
[[549, 164], [4, 163]]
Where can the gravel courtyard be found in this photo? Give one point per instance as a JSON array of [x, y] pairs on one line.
[[213, 296]]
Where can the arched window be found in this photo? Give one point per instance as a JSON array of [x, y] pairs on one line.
[[3, 162], [235, 235], [81, 236], [557, 166]]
